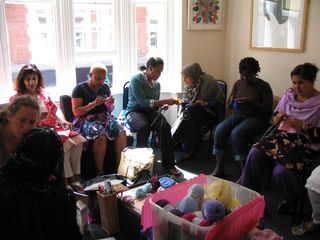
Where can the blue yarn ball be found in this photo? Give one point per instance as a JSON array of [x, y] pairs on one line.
[[147, 187], [213, 210], [188, 204], [140, 193], [143, 191], [196, 191]]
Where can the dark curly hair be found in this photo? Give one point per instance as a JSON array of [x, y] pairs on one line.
[[24, 72], [308, 71], [152, 62], [249, 64]]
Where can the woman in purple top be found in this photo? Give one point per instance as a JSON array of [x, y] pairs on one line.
[[290, 151]]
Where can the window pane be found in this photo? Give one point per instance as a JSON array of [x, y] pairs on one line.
[[150, 38], [94, 25], [31, 37]]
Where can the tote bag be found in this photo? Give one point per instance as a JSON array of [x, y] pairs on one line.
[[133, 160]]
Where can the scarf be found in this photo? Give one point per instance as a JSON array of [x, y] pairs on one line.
[[308, 111], [194, 71]]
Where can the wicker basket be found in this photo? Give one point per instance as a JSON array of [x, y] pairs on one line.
[[108, 212]]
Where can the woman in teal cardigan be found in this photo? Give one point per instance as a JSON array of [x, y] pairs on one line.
[[144, 110]]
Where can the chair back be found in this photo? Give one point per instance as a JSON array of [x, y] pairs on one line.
[[66, 107], [125, 96], [224, 88], [3, 106]]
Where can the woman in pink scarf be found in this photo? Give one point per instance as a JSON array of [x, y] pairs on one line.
[[290, 150], [30, 81]]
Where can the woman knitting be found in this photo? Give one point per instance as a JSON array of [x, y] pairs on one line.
[[202, 105], [290, 151]]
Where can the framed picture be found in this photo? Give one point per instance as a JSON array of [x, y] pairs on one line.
[[278, 25], [205, 14]]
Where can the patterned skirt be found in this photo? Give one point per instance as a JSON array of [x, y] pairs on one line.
[[93, 125]]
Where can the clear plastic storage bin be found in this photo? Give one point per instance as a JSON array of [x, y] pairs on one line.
[[236, 225]]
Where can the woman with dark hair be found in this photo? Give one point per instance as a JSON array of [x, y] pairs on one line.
[[17, 119], [143, 110], [30, 82], [288, 154], [34, 202], [251, 104], [202, 106]]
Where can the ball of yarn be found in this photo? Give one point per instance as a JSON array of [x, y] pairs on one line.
[[232, 204], [143, 191], [189, 216], [147, 187], [140, 193], [176, 212], [188, 204], [213, 210], [196, 191]]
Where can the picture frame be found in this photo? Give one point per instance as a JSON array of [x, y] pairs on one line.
[[278, 25], [205, 14]]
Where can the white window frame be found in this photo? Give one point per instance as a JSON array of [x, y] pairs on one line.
[[124, 66]]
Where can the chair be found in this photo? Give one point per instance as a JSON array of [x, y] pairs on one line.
[[88, 169], [223, 87], [131, 133]]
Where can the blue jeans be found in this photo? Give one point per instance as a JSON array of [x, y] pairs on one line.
[[240, 128]]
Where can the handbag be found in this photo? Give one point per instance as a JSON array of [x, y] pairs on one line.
[[134, 160]]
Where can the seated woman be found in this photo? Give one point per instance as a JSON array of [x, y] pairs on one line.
[[313, 188], [202, 105], [294, 145], [34, 202], [143, 110], [30, 82], [251, 104], [92, 104], [17, 119]]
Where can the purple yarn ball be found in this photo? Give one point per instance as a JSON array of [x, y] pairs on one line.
[[213, 210]]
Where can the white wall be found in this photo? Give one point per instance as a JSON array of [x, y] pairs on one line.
[[203, 46], [275, 66], [219, 52]]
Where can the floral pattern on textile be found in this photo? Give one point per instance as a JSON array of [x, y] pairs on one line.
[[93, 125], [289, 149]]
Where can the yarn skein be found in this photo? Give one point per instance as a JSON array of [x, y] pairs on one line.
[[213, 210]]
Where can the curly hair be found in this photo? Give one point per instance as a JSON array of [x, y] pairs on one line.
[[308, 71], [249, 64], [27, 69]]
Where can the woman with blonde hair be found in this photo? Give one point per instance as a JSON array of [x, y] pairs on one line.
[[92, 104], [15, 120]]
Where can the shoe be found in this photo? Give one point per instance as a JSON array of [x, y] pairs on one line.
[[174, 171], [77, 187], [284, 207], [305, 228]]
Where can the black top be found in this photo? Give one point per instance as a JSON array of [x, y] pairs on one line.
[[83, 91]]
